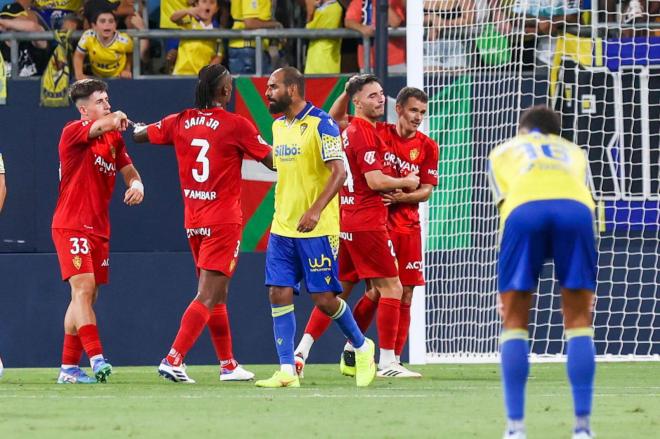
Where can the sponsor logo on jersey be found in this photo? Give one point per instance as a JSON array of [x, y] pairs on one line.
[[401, 165], [433, 172], [77, 262], [414, 153], [287, 153], [370, 157], [320, 264], [303, 128], [104, 167], [201, 231], [200, 195], [347, 236], [347, 200], [414, 265], [194, 121], [106, 262]]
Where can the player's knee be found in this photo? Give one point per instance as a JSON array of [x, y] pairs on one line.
[[83, 294], [328, 304], [280, 295], [372, 294]]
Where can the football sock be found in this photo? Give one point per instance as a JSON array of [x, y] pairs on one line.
[[305, 344], [317, 324], [284, 329], [72, 350], [228, 365], [193, 322], [89, 337], [221, 333], [515, 369], [514, 426], [388, 322], [404, 326], [348, 326], [581, 368], [364, 312]]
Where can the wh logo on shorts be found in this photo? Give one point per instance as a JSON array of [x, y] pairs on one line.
[[320, 264]]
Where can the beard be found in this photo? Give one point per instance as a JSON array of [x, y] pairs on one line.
[[275, 107]]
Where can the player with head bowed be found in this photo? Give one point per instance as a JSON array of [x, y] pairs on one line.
[[210, 144], [539, 182], [91, 151], [408, 150], [303, 237]]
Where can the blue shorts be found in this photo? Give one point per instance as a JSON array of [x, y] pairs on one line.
[[562, 230], [289, 260]]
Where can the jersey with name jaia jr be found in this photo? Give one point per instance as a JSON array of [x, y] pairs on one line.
[[87, 178], [535, 166], [210, 145]]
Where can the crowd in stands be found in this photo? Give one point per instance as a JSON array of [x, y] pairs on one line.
[[105, 50]]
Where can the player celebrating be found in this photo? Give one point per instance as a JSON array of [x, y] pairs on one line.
[[91, 150], [539, 184], [409, 150], [310, 171], [210, 144]]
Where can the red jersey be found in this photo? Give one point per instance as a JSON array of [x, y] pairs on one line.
[[361, 208], [87, 178], [210, 145], [419, 153]]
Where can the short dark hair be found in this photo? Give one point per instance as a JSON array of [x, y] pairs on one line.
[[96, 14], [541, 118], [357, 83], [85, 88], [207, 86], [411, 92], [292, 76]]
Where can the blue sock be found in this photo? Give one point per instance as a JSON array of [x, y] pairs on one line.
[[581, 368], [284, 329], [515, 369], [344, 318]]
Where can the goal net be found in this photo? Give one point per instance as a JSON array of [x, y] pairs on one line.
[[483, 62]]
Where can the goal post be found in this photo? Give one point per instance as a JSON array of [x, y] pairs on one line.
[[482, 62]]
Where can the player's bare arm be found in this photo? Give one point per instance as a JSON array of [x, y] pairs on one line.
[[419, 195], [135, 192], [140, 133], [110, 122], [310, 219], [380, 182], [339, 110], [268, 161]]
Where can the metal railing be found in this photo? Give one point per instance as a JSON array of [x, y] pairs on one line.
[[258, 35]]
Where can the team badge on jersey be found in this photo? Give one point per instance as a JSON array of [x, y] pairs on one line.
[[303, 128], [414, 153], [77, 262]]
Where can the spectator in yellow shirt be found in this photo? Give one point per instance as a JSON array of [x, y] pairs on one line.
[[324, 55], [250, 14], [109, 51], [195, 54]]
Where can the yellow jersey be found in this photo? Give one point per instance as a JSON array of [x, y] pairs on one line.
[[324, 55], [167, 8], [535, 166], [195, 54], [302, 147], [107, 61], [242, 9], [66, 5]]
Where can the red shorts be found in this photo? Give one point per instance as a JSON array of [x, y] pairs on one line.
[[215, 248], [80, 252], [408, 249], [366, 255]]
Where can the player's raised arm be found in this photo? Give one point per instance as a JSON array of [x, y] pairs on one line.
[[110, 122], [135, 192], [339, 110]]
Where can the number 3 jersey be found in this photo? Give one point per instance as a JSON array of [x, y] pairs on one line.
[[534, 167], [210, 145], [87, 178]]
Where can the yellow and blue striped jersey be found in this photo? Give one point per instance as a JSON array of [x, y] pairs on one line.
[[107, 61], [534, 167], [302, 146]]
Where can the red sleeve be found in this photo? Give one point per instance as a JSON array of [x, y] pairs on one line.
[[76, 133], [162, 132], [250, 141], [354, 11], [368, 156], [428, 171], [123, 159], [399, 9]]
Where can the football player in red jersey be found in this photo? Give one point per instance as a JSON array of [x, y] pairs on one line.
[[210, 144], [91, 151], [409, 150]]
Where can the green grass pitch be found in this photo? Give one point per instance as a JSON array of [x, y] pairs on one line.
[[451, 401]]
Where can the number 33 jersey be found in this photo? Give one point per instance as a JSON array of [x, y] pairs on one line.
[[535, 167], [210, 145]]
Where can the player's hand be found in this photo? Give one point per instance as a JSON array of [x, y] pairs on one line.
[[121, 120], [412, 180], [393, 197], [125, 74], [134, 194], [309, 221]]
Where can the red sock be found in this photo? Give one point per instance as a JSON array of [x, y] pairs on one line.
[[317, 324], [89, 337], [192, 324], [72, 349], [364, 312], [221, 335], [404, 325], [388, 322]]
